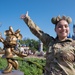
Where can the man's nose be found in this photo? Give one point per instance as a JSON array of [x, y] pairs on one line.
[[63, 27]]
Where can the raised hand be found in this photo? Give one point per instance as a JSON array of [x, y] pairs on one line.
[[23, 16]]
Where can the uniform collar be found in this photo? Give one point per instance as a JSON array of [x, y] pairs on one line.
[[66, 40]]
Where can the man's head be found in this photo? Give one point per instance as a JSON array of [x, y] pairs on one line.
[[62, 26]]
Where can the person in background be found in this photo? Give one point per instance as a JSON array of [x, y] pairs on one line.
[[60, 55]]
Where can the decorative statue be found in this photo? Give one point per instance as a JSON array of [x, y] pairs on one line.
[[10, 43]]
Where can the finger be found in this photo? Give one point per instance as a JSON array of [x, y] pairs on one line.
[[22, 16], [27, 13]]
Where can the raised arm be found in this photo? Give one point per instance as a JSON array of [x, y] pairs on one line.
[[45, 38]]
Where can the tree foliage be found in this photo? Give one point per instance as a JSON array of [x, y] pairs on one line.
[[33, 44]]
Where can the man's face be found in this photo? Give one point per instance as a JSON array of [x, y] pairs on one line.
[[62, 29]]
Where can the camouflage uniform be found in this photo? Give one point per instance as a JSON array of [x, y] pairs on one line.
[[60, 54]]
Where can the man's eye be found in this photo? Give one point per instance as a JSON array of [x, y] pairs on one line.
[[59, 26], [66, 26]]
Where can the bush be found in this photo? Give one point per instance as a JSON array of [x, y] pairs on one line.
[[30, 66]]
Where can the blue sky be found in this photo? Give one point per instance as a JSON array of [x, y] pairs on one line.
[[40, 11]]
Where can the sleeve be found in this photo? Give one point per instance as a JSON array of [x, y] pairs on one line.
[[44, 37]]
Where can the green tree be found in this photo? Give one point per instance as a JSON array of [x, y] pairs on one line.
[[33, 44]]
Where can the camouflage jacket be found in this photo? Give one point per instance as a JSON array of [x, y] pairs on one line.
[[60, 55]]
